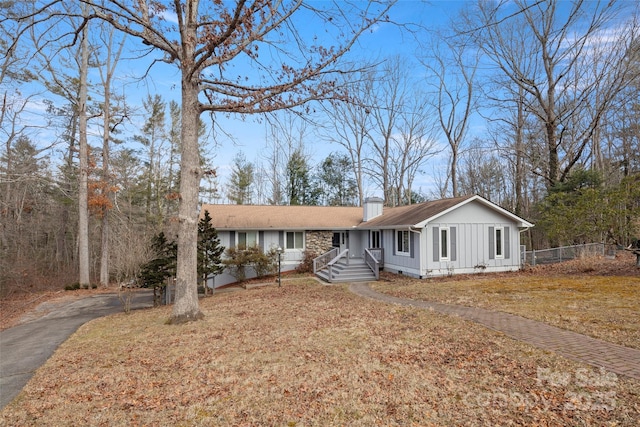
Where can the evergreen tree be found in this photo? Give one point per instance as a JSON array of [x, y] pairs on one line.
[[576, 211], [340, 188], [241, 180], [209, 250], [155, 272], [301, 186]]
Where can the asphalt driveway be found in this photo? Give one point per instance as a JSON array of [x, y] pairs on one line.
[[24, 348]]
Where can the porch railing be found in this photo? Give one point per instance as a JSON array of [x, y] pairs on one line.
[[321, 262], [343, 254], [372, 262], [378, 254]]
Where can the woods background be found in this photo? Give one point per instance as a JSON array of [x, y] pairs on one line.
[[532, 105]]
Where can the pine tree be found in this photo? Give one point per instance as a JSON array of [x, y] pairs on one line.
[[241, 180], [155, 273], [209, 250]]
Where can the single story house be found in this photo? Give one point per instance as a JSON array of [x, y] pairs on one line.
[[442, 237]]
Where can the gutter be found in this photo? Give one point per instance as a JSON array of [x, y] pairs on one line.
[[414, 230]]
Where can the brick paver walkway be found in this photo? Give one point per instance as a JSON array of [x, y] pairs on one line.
[[615, 358]]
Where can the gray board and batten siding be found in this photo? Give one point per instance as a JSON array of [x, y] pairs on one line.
[[472, 247]]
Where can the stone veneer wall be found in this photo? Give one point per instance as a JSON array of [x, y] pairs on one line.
[[319, 242]]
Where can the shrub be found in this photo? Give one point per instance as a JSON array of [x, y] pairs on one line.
[[265, 263], [306, 266], [72, 287], [238, 259]]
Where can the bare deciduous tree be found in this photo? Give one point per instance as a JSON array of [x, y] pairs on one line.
[[387, 102], [544, 49], [414, 144], [110, 121], [208, 38], [350, 125], [451, 74], [83, 165]]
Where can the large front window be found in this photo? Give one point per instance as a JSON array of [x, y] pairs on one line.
[[403, 242], [295, 240], [247, 239]]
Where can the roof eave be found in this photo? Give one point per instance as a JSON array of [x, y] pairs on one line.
[[522, 223]]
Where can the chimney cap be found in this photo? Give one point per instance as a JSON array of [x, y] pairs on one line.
[[373, 199]]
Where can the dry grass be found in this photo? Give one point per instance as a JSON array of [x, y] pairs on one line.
[[604, 307], [311, 355]]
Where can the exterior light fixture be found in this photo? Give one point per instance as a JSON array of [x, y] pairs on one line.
[[279, 250]]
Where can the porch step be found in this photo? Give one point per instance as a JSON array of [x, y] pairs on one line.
[[355, 271]]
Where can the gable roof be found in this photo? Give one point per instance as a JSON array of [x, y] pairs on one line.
[[519, 221], [259, 217], [420, 214], [411, 215]]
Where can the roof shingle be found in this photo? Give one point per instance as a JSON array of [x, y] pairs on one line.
[[413, 214], [259, 217]]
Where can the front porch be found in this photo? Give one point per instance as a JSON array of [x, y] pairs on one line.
[[336, 266]]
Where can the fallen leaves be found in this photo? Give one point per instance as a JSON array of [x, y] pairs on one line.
[[304, 354], [604, 307]]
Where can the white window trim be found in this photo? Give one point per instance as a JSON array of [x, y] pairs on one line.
[[401, 252], [498, 242], [304, 241], [447, 246], [247, 231]]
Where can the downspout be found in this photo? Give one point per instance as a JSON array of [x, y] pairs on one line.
[[413, 230], [523, 261]]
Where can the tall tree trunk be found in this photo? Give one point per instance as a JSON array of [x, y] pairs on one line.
[[185, 307], [106, 180], [83, 213], [519, 152], [454, 169], [62, 250]]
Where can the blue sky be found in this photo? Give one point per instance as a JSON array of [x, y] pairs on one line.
[[249, 132], [384, 41]]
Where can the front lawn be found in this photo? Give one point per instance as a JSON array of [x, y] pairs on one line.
[[308, 354], [604, 307]]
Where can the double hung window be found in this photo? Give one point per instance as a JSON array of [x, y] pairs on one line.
[[402, 243], [294, 240]]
